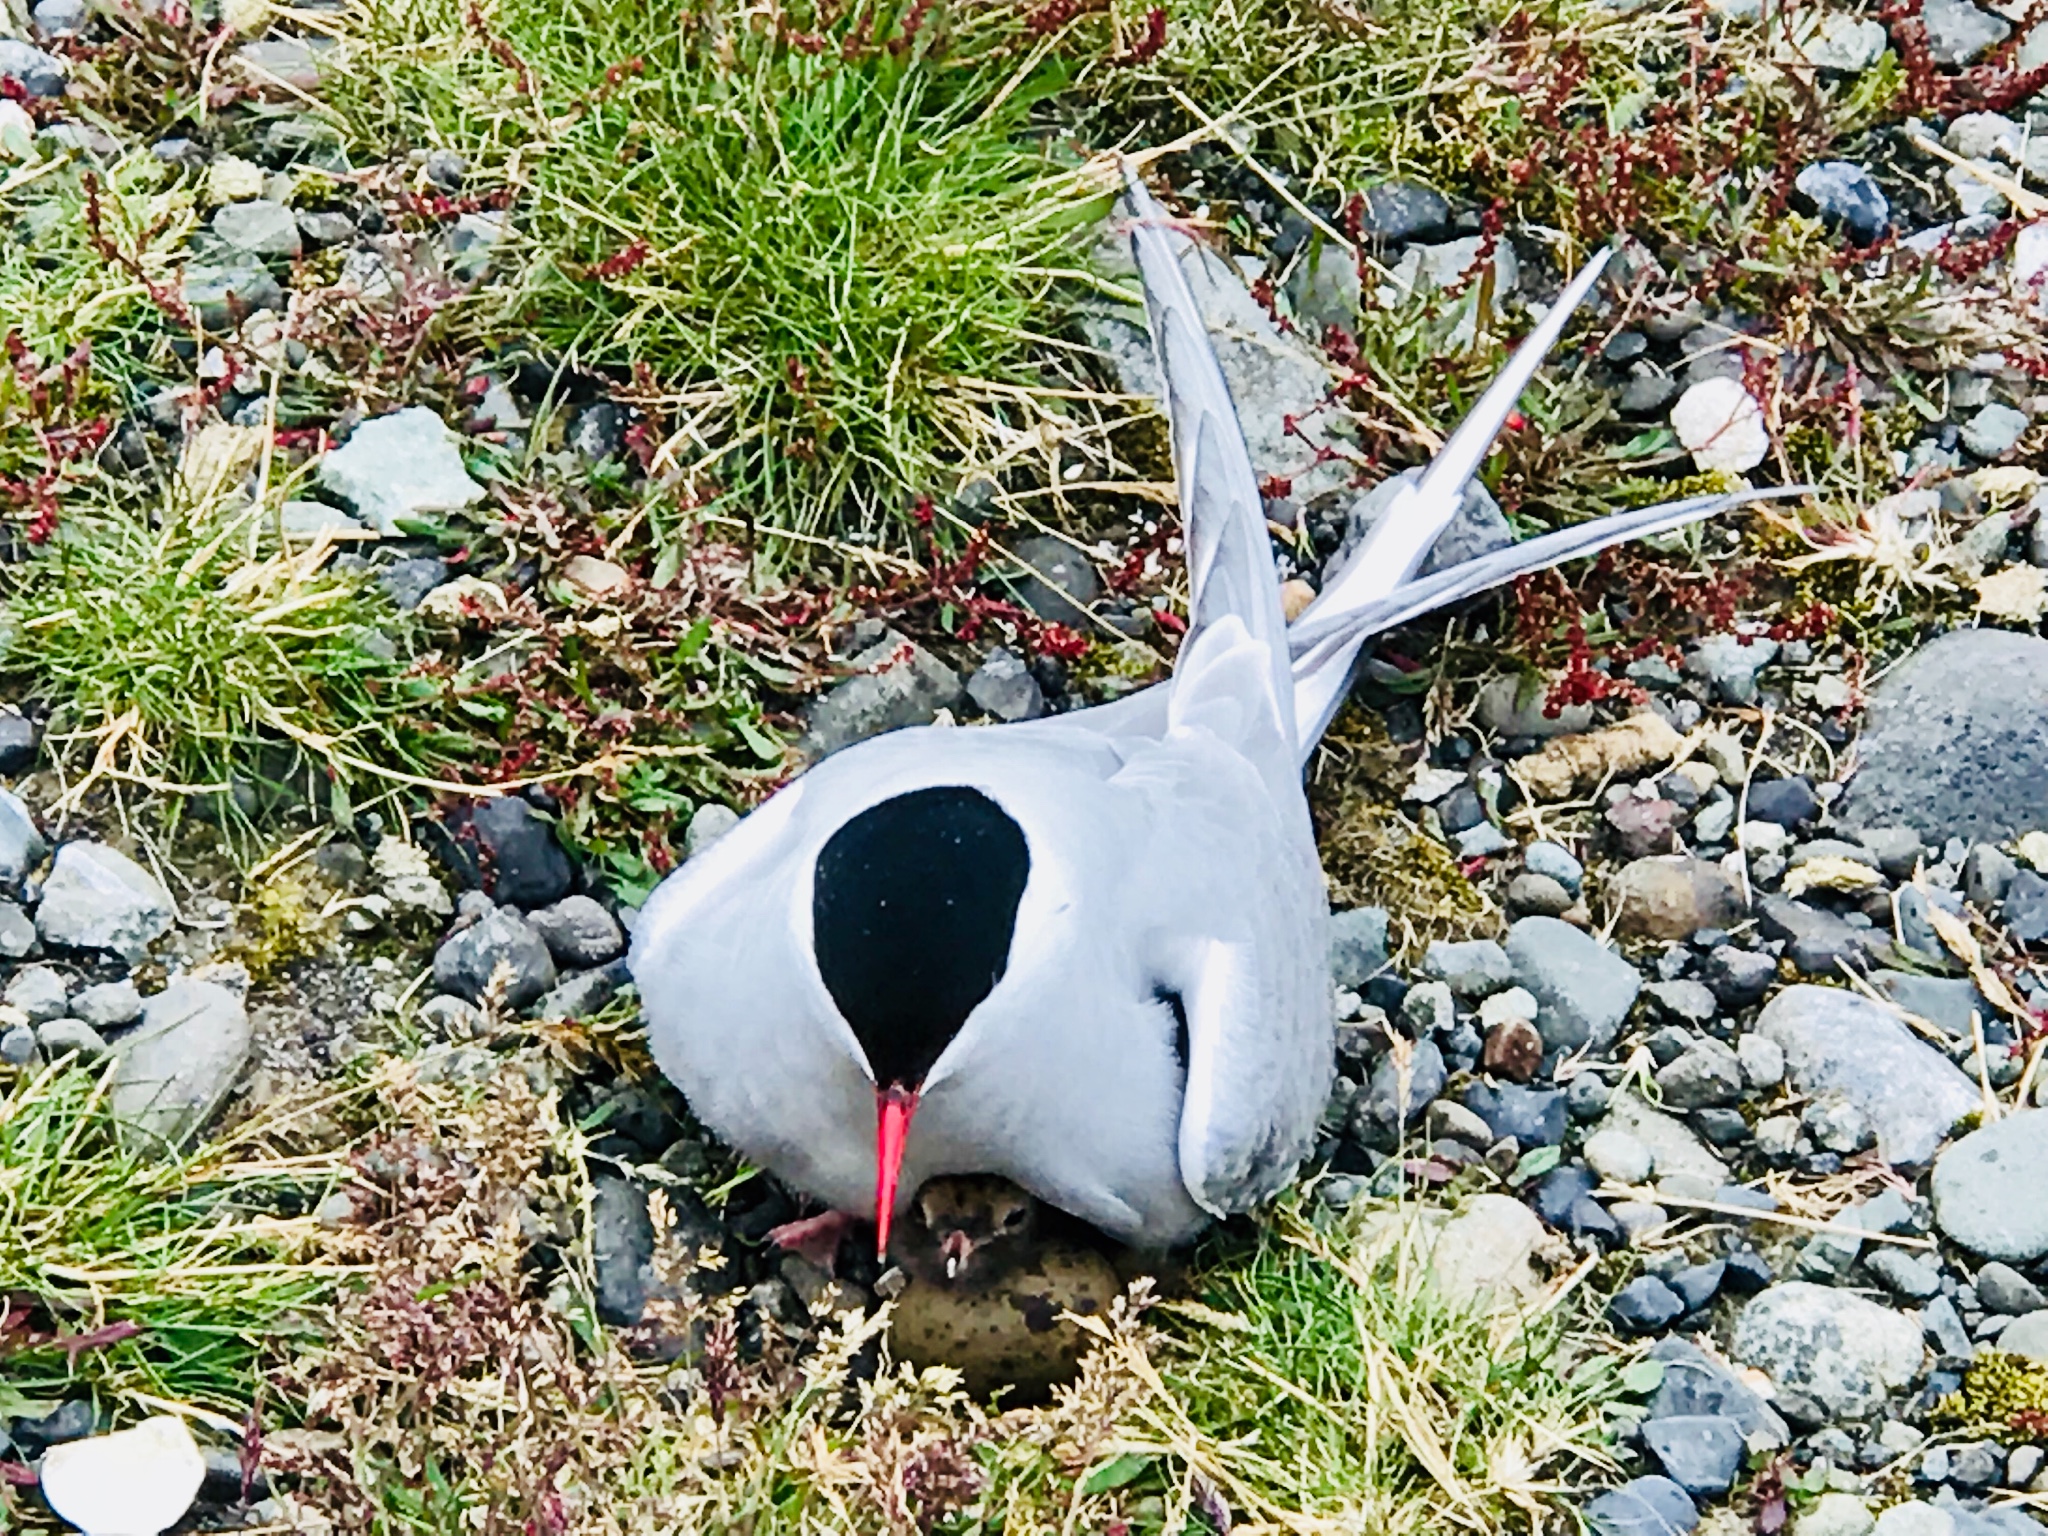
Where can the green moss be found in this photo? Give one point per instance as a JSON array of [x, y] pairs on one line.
[[2003, 1395]]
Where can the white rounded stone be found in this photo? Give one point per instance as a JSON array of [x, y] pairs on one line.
[[1721, 425]]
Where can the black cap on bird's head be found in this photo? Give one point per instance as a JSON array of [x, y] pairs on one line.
[[913, 907]]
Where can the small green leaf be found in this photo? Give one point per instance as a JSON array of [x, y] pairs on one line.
[[1535, 1163], [762, 744], [1642, 1378], [14, 1406], [1114, 1474]]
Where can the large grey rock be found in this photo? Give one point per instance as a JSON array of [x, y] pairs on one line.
[[1274, 379], [895, 683], [500, 942], [98, 898], [1956, 743], [402, 465], [180, 1063], [1988, 1189], [1839, 1044], [1697, 1383], [21, 846], [1583, 989], [1844, 1351]]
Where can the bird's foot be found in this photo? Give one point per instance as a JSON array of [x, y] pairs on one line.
[[814, 1238]]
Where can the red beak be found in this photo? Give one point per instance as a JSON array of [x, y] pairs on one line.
[[894, 1105]]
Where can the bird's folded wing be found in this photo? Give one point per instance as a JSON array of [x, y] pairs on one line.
[[1326, 643], [1223, 519]]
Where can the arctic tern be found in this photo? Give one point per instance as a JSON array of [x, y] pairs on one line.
[[1086, 952]]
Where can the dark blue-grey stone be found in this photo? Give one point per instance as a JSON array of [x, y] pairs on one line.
[[1645, 1305], [1747, 1272], [1535, 1117], [1699, 1452], [1786, 802], [1696, 1284], [1647, 1506], [1738, 977], [408, 582], [1358, 945], [1395, 212], [1846, 198], [1696, 1383], [1943, 1001]]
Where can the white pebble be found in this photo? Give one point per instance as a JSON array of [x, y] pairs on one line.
[[1619, 1157], [1722, 426], [136, 1482]]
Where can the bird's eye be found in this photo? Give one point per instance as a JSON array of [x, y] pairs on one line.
[[1014, 1219]]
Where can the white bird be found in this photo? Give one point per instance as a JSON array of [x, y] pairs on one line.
[[1085, 953]]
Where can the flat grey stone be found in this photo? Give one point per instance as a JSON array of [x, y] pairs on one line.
[[1645, 1506], [1842, 1045], [1956, 742], [38, 992], [258, 228], [1479, 527], [621, 1247], [1846, 1352], [1003, 686], [896, 683], [403, 465], [1994, 431], [1583, 989], [108, 1005], [71, 1037], [22, 848], [500, 943], [579, 933], [1959, 33], [181, 1062], [1697, 1383], [17, 932], [98, 898], [1475, 968], [1699, 1452], [1988, 1189], [2005, 1291], [2027, 1336], [223, 294], [1058, 582], [1358, 945]]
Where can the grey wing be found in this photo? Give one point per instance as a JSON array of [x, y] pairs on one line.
[[1325, 644], [1236, 899], [1223, 518]]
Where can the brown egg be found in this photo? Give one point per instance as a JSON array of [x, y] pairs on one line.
[[1007, 1331]]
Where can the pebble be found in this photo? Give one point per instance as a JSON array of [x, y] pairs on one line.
[[2025, 909], [1487, 1249], [1729, 664], [225, 293], [1643, 827], [65, 1037], [895, 683], [1476, 968], [99, 898], [1697, 1383], [38, 993], [1737, 977], [1959, 33], [1845, 196], [1533, 895], [1835, 1514], [1395, 212], [1838, 1347], [401, 466], [1904, 1274], [621, 1248], [1513, 1049], [134, 1482], [1513, 706], [579, 933], [1722, 426], [1645, 1506], [1700, 1452], [1987, 875], [1987, 1189], [465, 963], [1003, 686], [1915, 1519], [1956, 741], [258, 227], [2004, 1290], [408, 582], [1535, 1117], [1398, 1094], [504, 847], [1674, 896], [1707, 1074], [2027, 1336], [177, 1067], [1619, 1157], [22, 848], [108, 1004], [1762, 1061], [1994, 431], [1684, 1001], [1645, 1305], [1849, 45], [1582, 988], [1358, 945], [1788, 802], [1058, 582], [1818, 942], [1554, 862], [17, 1045], [1676, 1153]]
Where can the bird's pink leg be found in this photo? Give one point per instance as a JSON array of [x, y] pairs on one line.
[[814, 1238]]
